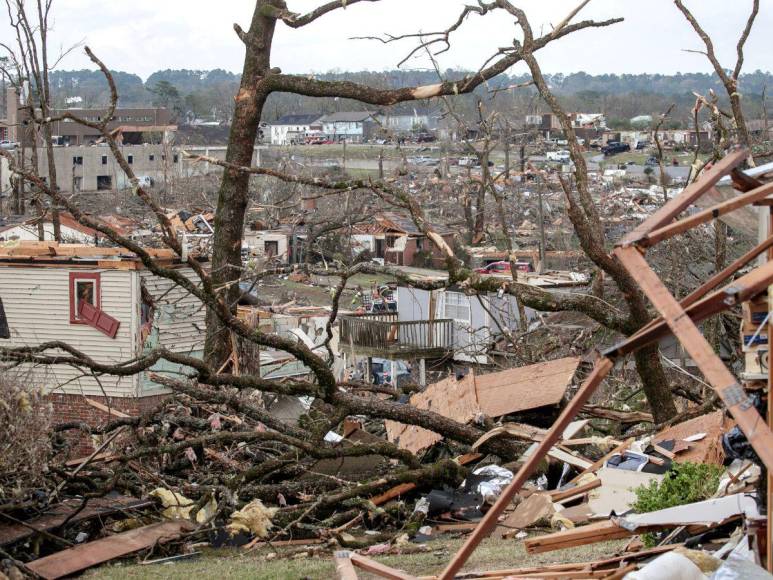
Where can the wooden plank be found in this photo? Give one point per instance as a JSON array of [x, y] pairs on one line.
[[78, 558], [739, 290], [705, 216], [724, 383], [106, 409], [590, 534], [379, 569], [489, 521], [344, 568], [560, 495], [689, 194]]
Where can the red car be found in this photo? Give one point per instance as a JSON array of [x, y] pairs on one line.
[[503, 268]]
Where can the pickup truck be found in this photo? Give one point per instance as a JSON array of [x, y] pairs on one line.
[[614, 147]]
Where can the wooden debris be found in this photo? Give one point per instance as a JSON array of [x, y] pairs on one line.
[[78, 558]]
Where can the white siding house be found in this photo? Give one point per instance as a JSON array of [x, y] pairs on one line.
[[39, 298]]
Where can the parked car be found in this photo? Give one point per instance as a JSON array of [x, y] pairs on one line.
[[425, 138], [503, 267], [642, 145], [614, 147], [5, 144]]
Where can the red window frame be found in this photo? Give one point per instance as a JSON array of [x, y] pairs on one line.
[[74, 277]]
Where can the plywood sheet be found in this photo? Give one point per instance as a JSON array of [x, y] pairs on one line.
[[68, 562], [525, 388], [708, 449], [450, 398]]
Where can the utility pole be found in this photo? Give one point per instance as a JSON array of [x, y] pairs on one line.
[[541, 267], [381, 164], [507, 149]]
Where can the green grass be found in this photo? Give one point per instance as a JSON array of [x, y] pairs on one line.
[[231, 564]]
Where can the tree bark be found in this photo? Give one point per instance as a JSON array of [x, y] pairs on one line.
[[234, 188]]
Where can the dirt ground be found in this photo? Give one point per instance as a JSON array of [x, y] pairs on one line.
[[491, 555]]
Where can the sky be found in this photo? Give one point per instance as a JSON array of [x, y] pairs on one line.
[[142, 36]]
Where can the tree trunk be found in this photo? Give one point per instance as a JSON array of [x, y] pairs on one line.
[[233, 194], [655, 383]]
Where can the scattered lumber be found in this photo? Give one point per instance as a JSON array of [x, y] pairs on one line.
[[78, 558]]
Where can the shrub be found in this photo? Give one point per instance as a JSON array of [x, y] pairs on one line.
[[682, 484], [25, 443]]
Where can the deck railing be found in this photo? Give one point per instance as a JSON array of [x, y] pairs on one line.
[[381, 332]]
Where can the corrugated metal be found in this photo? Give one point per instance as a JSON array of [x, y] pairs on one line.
[[37, 305]]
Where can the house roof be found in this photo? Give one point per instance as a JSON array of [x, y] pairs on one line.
[[348, 117], [54, 254], [299, 119], [403, 223]]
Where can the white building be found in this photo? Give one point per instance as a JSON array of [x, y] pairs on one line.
[[353, 127], [293, 129]]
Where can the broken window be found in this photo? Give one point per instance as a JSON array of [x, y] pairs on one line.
[[151, 157], [104, 160], [130, 159], [84, 287], [104, 182], [77, 160], [5, 332]]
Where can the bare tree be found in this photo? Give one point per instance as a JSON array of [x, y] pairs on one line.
[[729, 80], [260, 79]]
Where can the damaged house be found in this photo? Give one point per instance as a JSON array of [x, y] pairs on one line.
[[433, 325], [103, 302], [394, 239]]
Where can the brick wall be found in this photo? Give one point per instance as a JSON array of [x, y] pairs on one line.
[[67, 408]]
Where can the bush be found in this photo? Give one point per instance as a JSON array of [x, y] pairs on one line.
[[684, 483], [25, 442]]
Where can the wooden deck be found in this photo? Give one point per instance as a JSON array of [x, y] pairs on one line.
[[381, 335]]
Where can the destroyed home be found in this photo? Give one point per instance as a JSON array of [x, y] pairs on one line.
[[103, 302], [483, 351]]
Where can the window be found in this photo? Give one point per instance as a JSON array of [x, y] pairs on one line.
[[151, 157], [84, 287], [457, 306], [104, 182], [104, 160], [175, 158], [130, 159], [77, 160]]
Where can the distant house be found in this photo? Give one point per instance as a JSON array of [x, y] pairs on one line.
[[394, 239], [293, 129], [353, 127]]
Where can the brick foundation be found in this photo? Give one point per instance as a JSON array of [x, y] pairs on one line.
[[68, 408]]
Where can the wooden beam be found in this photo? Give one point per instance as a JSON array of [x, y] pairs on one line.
[[378, 569], [704, 216], [685, 199], [489, 521], [739, 290], [557, 496], [722, 381], [344, 568]]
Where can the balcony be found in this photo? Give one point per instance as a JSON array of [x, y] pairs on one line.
[[381, 335]]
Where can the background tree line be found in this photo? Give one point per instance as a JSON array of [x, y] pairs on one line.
[[209, 94]]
